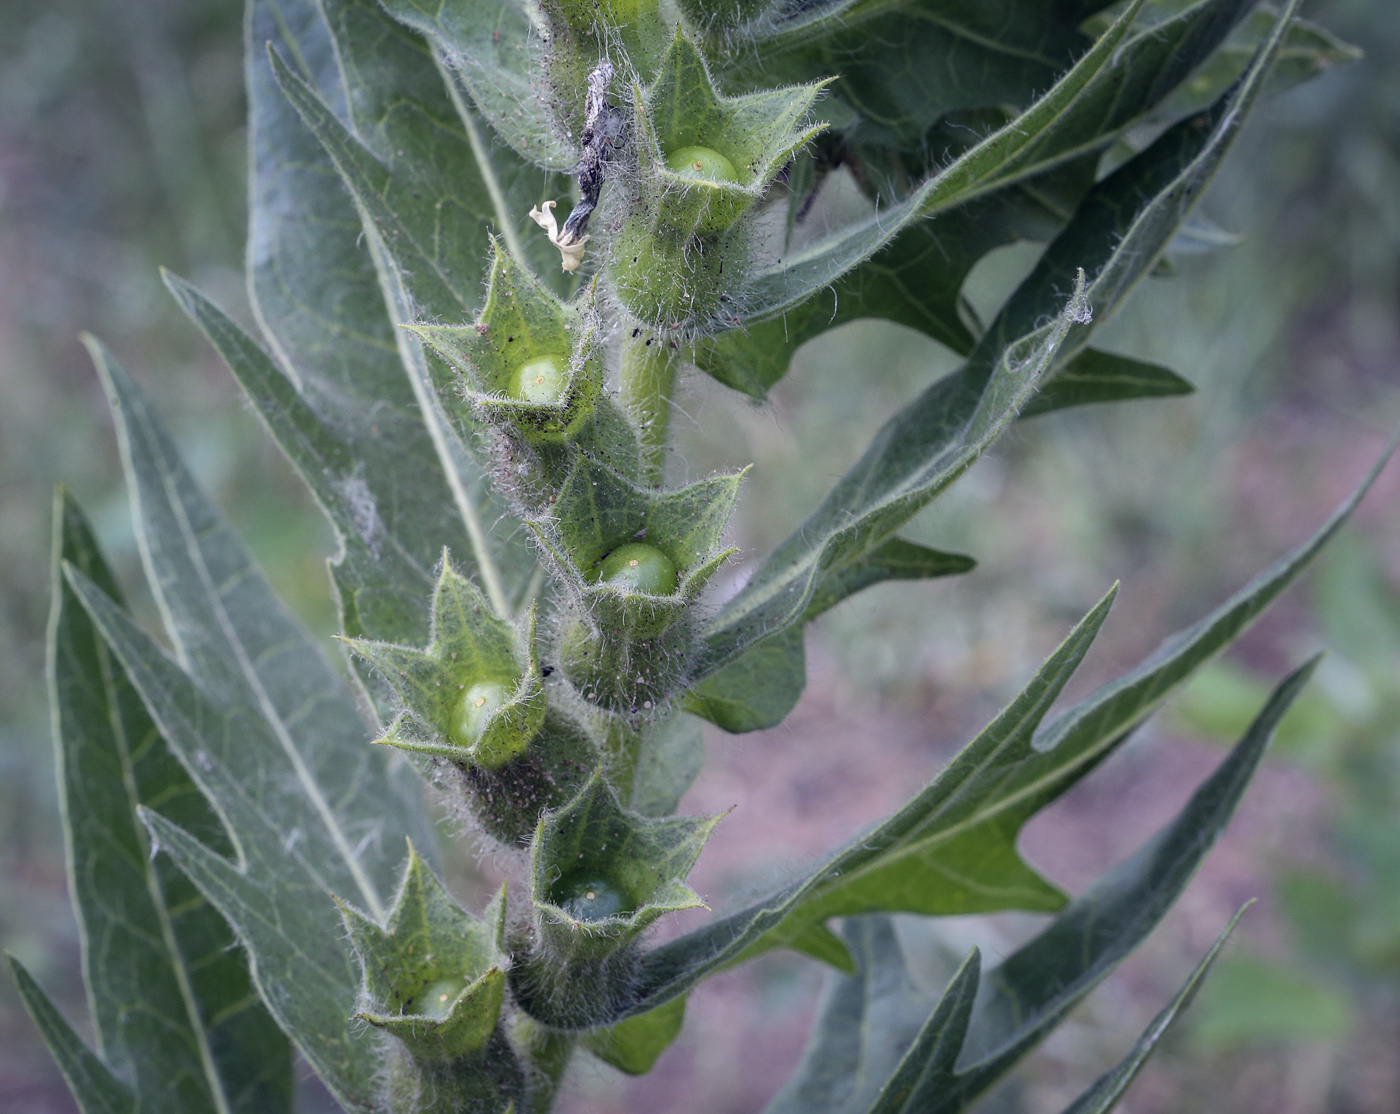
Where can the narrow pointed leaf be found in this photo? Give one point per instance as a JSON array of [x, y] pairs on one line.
[[916, 281], [1021, 1000], [928, 1067], [410, 164], [915, 456], [895, 559], [969, 816], [336, 398], [288, 922], [172, 1004], [383, 570], [1094, 377], [1117, 707], [1308, 52], [1109, 1088], [95, 1088], [203, 729], [304, 756]]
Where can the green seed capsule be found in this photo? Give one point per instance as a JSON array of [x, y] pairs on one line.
[[540, 381], [590, 897], [701, 163], [476, 707], [437, 999], [638, 567]]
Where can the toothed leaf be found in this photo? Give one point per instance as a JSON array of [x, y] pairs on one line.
[[171, 1001]]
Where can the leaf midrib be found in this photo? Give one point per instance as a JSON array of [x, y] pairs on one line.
[[153, 888], [246, 670]]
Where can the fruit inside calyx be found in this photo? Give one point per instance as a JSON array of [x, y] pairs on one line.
[[638, 567], [589, 896], [540, 380], [702, 164], [475, 709], [437, 997]]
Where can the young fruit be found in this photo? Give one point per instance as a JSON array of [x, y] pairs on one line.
[[436, 1000], [588, 896], [475, 709], [638, 567], [703, 164], [540, 380]]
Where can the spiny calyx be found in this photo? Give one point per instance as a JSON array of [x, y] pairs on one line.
[[600, 876], [531, 364], [704, 160], [433, 975], [474, 694], [634, 560]]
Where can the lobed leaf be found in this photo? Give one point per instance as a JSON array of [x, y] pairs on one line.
[[916, 456], [171, 1001], [969, 815], [408, 235], [1025, 997], [278, 895], [1121, 228], [305, 758], [916, 281], [336, 397]]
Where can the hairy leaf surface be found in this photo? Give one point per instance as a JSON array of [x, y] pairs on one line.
[[336, 397], [493, 50], [1121, 228], [306, 755], [172, 1005], [95, 1088], [278, 894]]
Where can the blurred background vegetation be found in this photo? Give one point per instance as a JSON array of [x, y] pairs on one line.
[[122, 150]]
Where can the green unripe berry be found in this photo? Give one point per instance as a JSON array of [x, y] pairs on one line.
[[437, 998], [701, 163], [540, 381], [638, 567], [475, 709], [588, 896]]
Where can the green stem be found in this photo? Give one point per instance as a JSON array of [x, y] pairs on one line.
[[648, 371], [549, 1053]]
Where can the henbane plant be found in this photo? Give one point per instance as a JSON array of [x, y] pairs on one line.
[[477, 388]]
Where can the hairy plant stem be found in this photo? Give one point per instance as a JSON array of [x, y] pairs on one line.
[[549, 1051], [648, 371]]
